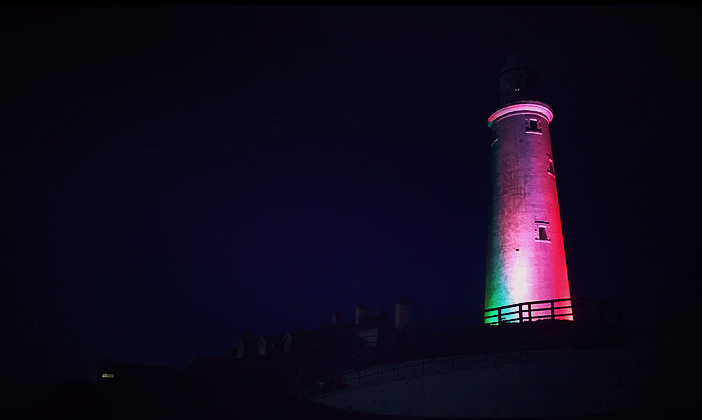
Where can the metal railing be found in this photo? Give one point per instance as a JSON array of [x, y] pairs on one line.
[[571, 309]]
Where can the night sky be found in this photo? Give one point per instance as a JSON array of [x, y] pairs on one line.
[[172, 176]]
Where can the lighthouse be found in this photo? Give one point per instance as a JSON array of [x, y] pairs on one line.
[[526, 255]]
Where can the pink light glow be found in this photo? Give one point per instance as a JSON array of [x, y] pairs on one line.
[[521, 108], [525, 213], [520, 284]]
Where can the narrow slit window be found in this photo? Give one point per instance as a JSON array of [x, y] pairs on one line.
[[550, 167]]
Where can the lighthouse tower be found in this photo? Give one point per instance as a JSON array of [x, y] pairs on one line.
[[526, 256]]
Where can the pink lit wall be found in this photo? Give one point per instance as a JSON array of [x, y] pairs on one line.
[[526, 255]]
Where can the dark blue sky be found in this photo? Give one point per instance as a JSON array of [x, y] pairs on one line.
[[172, 176]]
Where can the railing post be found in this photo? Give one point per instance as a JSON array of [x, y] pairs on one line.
[[521, 317], [553, 312]]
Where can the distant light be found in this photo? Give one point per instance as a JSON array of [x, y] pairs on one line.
[[516, 90], [108, 375]]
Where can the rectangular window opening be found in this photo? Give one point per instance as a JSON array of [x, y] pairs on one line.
[[550, 167], [542, 231], [542, 234], [533, 126]]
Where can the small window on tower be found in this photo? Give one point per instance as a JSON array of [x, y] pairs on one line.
[[543, 236], [550, 169], [533, 126], [542, 231]]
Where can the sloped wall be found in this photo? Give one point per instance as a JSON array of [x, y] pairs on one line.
[[540, 383]]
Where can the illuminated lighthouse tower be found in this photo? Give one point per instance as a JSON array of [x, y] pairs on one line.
[[526, 257]]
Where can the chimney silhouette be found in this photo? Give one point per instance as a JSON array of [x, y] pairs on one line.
[[403, 313], [361, 313]]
